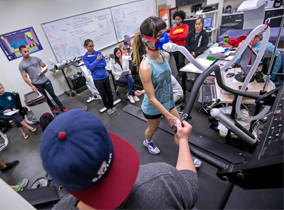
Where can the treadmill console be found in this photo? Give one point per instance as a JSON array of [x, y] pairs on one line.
[[265, 168]]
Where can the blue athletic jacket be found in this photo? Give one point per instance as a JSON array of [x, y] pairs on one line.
[[97, 67]]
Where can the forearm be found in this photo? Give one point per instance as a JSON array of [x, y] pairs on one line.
[[174, 38], [184, 161], [184, 35], [14, 105], [28, 81], [123, 51], [2, 111], [200, 50], [202, 47], [187, 46], [93, 65], [115, 72], [160, 108]]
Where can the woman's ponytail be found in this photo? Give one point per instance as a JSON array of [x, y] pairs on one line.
[[139, 49]]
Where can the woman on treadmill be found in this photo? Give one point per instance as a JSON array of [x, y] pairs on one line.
[[155, 75]]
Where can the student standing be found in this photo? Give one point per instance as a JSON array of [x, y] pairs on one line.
[[121, 64], [178, 35], [96, 63], [155, 75], [197, 39], [32, 66]]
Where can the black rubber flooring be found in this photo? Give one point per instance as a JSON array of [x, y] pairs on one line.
[[213, 193], [129, 124], [132, 129]]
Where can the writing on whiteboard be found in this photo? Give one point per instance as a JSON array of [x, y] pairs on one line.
[[67, 36]]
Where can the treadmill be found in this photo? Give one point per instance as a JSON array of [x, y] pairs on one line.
[[230, 177]]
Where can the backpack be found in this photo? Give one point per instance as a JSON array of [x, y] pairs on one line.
[[45, 119]]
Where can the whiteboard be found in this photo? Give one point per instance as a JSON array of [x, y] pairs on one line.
[[66, 36], [127, 18]]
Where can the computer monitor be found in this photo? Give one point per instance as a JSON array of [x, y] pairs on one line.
[[244, 64], [207, 22]]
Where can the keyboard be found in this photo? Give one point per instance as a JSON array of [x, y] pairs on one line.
[[207, 93]]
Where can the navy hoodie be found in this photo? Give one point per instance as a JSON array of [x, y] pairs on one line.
[[7, 101]]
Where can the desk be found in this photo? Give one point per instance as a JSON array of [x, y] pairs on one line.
[[253, 87], [187, 69], [190, 68]]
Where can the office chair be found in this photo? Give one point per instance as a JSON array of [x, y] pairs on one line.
[[116, 84], [178, 104], [135, 75], [22, 110], [137, 81], [7, 126]]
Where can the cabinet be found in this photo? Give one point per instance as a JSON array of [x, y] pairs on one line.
[[213, 30], [239, 18], [234, 18], [273, 13], [180, 3]]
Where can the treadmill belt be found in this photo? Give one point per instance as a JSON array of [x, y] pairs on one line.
[[212, 191], [132, 130], [199, 140]]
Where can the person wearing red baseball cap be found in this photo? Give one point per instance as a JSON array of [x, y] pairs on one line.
[[101, 170]]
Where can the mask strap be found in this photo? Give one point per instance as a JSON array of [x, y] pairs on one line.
[[148, 38], [152, 49]]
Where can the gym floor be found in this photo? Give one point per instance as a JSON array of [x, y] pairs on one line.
[[214, 193]]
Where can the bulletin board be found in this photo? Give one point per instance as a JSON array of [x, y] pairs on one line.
[[10, 42]]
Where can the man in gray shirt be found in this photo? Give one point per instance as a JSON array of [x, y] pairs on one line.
[[101, 170], [32, 66]]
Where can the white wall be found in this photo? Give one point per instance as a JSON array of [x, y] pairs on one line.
[[19, 14], [172, 3], [10, 199]]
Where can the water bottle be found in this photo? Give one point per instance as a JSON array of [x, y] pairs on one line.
[[226, 38]]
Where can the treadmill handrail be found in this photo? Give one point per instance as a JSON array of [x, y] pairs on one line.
[[199, 82]]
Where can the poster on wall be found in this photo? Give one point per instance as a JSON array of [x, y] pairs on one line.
[[165, 15], [10, 42]]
